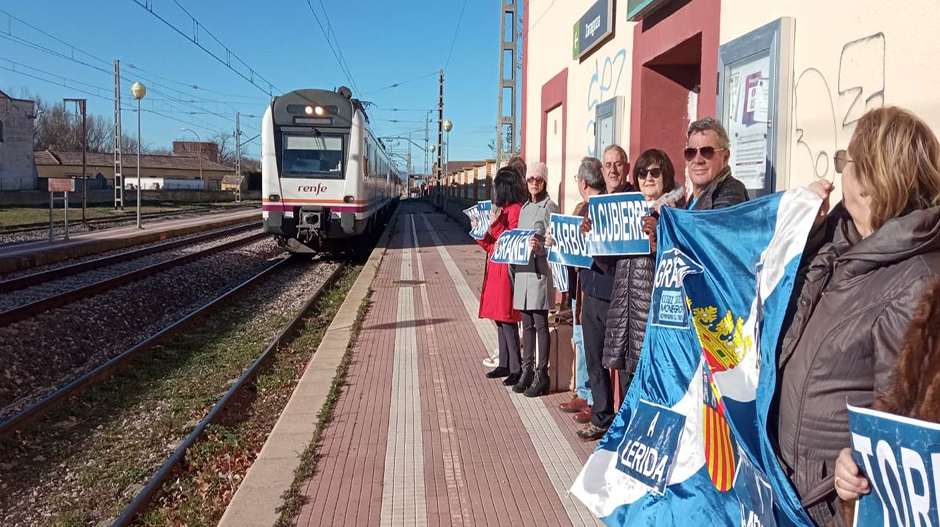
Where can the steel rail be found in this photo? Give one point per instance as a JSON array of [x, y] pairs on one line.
[[55, 399], [40, 306], [159, 478], [29, 280], [124, 216]]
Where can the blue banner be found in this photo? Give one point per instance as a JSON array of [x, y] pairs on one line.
[[901, 458], [481, 213], [722, 287], [616, 224], [512, 247], [559, 275], [570, 246]]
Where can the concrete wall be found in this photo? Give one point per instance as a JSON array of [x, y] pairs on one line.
[[106, 197], [17, 169], [848, 57], [211, 177]]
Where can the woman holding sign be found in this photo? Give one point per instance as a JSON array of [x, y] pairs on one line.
[[864, 270], [532, 292], [654, 176], [497, 296]]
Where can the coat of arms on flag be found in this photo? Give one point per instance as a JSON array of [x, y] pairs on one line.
[[719, 299]]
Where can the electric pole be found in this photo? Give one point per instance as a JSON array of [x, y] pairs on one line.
[[238, 158], [118, 147], [507, 84], [81, 107], [440, 133]]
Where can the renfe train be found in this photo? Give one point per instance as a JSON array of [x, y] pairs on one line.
[[326, 178]]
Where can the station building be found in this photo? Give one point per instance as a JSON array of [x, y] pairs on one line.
[[788, 79]]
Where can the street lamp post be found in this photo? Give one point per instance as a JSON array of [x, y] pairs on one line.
[[448, 126], [138, 90], [200, 156]]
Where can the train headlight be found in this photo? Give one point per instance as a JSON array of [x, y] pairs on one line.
[[274, 198], [318, 110], [348, 199], [310, 110]]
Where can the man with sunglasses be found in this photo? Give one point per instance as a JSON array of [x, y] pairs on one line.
[[706, 155]]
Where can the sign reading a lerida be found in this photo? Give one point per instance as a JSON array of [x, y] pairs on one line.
[[591, 29]]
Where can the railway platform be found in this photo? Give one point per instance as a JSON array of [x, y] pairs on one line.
[[19, 256], [418, 436]]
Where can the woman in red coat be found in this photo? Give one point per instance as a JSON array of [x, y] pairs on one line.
[[496, 298]]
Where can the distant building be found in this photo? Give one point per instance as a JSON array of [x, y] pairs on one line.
[[17, 170], [100, 168], [206, 149]]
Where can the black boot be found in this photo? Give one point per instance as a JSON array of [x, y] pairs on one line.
[[500, 371], [539, 385], [512, 379], [528, 373]]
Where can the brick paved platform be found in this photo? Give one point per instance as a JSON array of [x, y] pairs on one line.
[[19, 256], [419, 436]]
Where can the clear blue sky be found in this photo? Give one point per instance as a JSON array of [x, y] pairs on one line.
[[383, 43]]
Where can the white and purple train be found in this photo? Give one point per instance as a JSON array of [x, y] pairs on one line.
[[326, 178]]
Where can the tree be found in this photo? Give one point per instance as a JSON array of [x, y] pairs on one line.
[[59, 126]]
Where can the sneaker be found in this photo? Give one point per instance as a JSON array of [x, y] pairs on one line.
[[493, 360], [591, 433]]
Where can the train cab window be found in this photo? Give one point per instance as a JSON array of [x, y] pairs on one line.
[[313, 156]]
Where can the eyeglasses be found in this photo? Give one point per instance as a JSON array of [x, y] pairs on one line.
[[841, 158], [654, 172], [707, 152], [535, 179]]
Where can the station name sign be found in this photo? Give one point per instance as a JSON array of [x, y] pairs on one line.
[[593, 27]]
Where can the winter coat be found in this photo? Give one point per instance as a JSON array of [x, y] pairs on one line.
[[853, 302], [496, 298], [723, 192], [629, 311], [531, 283]]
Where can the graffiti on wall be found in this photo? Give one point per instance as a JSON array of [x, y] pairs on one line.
[[602, 86], [829, 115]]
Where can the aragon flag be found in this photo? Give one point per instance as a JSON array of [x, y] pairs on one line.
[[690, 444]]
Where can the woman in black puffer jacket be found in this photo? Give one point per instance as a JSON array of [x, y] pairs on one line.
[[654, 176]]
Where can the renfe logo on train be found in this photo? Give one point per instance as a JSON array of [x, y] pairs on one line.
[[316, 190]]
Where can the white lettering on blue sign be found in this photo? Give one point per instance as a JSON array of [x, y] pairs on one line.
[[617, 224], [570, 246], [591, 27], [649, 444], [668, 308], [512, 247], [901, 458]]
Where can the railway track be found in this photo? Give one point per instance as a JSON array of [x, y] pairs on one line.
[[144, 497], [48, 403]]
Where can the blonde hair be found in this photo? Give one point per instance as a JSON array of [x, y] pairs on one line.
[[897, 162]]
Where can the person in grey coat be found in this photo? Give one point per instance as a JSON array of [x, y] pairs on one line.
[[532, 290], [861, 279]]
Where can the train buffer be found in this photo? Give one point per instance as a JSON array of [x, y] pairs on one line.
[[418, 435]]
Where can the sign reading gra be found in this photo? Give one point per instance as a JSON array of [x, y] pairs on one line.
[[901, 458], [591, 29], [512, 247]]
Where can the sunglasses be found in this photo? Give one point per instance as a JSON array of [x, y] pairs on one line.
[[653, 173], [707, 152], [841, 158], [535, 179]]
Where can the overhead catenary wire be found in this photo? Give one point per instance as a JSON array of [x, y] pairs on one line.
[[252, 74], [402, 83], [456, 31], [336, 54]]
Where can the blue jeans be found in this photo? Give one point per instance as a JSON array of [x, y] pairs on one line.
[[581, 374]]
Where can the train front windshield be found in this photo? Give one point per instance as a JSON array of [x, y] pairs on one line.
[[310, 156]]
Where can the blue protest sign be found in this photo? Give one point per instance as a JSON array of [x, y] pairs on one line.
[[570, 246], [668, 307], [649, 444], [616, 226], [559, 275], [481, 213], [512, 247], [755, 495], [901, 458]]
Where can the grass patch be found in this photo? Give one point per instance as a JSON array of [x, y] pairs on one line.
[[292, 500], [84, 462], [10, 216], [213, 469]]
